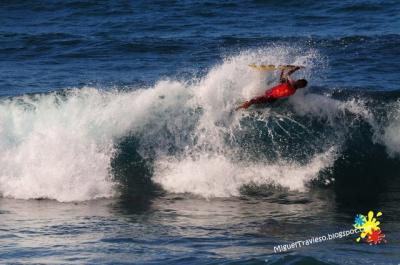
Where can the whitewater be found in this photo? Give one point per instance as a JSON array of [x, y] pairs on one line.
[[61, 145]]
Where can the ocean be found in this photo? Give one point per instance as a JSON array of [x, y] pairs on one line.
[[119, 143]]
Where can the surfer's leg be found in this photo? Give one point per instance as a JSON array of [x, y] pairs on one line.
[[259, 100]]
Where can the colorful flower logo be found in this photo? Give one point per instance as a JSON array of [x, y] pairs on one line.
[[370, 230]]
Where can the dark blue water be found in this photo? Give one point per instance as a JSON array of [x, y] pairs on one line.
[[118, 143]]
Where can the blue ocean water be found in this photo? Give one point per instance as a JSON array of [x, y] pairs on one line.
[[119, 143]]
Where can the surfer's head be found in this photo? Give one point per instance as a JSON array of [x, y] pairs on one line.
[[300, 83]]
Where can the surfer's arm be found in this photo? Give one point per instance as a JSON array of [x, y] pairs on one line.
[[282, 77], [285, 76], [294, 69]]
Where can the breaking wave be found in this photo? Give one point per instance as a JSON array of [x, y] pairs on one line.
[[82, 144]]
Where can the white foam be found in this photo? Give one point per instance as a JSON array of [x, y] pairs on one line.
[[215, 172], [61, 147], [218, 176], [390, 136], [323, 106]]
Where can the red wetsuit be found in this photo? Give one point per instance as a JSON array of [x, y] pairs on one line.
[[280, 91]]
